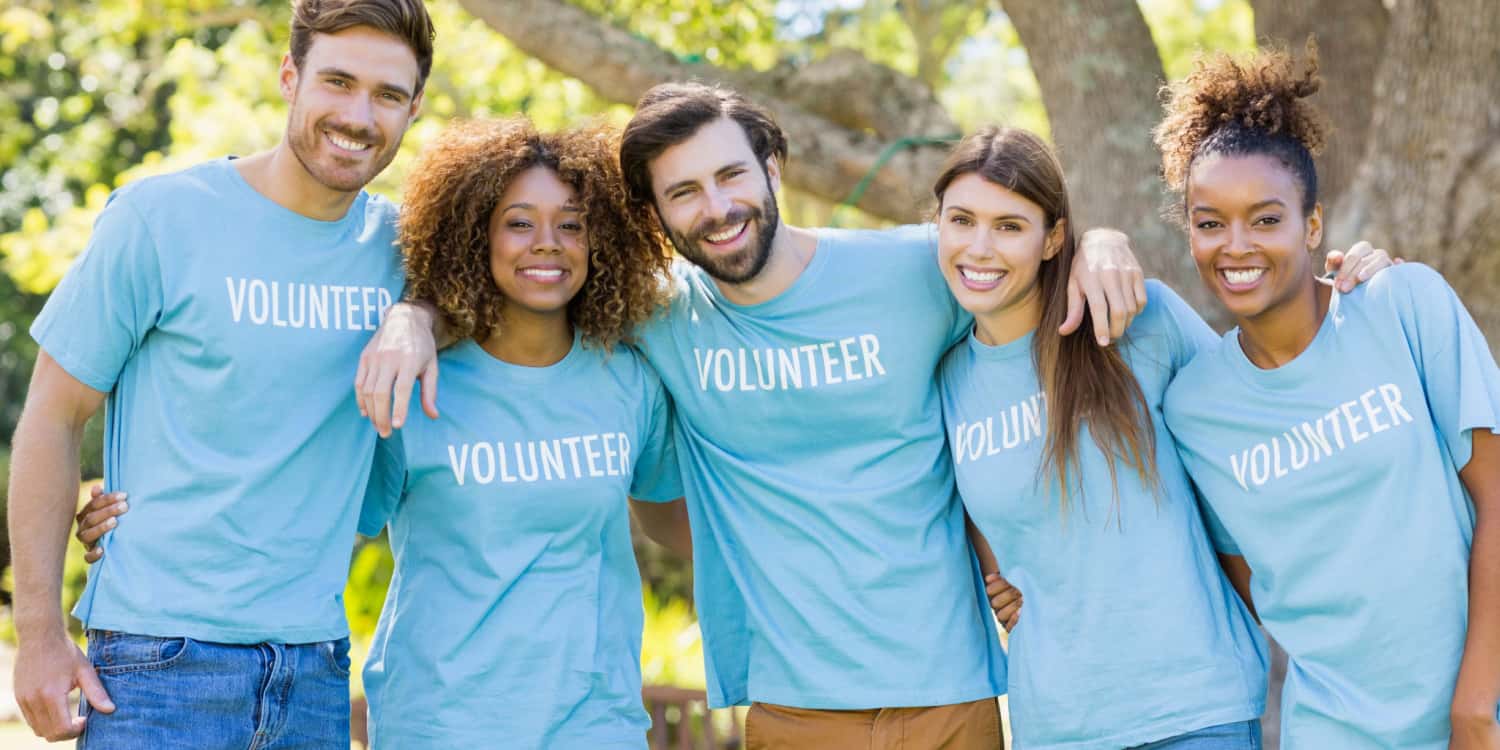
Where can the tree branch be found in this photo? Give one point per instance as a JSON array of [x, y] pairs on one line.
[[839, 114]]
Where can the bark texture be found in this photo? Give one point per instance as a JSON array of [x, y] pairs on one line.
[[839, 113], [1428, 185], [1099, 73]]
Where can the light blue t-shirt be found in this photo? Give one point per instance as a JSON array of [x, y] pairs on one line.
[[226, 330], [514, 614], [1336, 476], [830, 561], [1131, 633]]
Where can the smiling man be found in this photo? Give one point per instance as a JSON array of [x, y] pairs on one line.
[[216, 620], [835, 585]]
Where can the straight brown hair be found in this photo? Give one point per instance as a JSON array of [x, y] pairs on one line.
[[1085, 384], [406, 20]]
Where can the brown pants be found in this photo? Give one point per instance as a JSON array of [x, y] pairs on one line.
[[961, 726]]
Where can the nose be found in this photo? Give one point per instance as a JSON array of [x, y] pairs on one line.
[[719, 204], [1239, 239], [546, 240], [979, 242], [359, 113]]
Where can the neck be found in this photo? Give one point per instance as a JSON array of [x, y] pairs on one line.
[[1003, 326], [279, 175], [1278, 335], [531, 339], [792, 249]]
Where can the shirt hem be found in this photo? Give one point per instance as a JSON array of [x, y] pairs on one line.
[[213, 634], [855, 700], [1152, 733]]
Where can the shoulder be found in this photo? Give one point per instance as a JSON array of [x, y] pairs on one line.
[[1203, 377], [911, 239], [202, 182]]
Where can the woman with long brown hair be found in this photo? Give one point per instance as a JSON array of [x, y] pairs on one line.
[[1132, 634]]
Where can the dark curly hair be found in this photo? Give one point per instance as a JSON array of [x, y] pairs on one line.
[[1241, 106], [445, 222]]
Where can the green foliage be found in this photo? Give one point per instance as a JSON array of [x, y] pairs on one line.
[[671, 646], [1182, 28]]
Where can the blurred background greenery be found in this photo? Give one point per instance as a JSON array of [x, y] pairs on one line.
[[95, 94]]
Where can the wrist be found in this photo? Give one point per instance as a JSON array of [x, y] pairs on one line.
[[40, 630], [1474, 707]]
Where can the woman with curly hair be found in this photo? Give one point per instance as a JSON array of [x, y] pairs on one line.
[[514, 612], [1344, 443]]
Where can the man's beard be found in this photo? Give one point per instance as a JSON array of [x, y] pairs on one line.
[[305, 145], [750, 260]]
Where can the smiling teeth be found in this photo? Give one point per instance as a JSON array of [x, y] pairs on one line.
[[727, 234], [545, 274], [1245, 276], [983, 277], [346, 144]]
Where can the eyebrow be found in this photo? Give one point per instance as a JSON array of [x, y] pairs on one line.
[[1254, 207], [1005, 217], [668, 190], [383, 86], [529, 207]]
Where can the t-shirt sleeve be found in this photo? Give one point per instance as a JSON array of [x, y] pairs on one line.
[[386, 487], [1218, 536], [656, 477], [110, 299], [1190, 334], [1459, 376]]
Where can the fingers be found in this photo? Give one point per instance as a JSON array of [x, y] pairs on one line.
[[1345, 280], [93, 524], [1010, 624], [429, 380], [97, 500], [93, 689], [1098, 304], [1140, 292], [1075, 308], [1333, 261], [58, 721], [1005, 599], [359, 379], [1120, 293], [402, 400], [378, 394]]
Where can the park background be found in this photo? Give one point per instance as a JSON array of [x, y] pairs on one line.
[[96, 94]]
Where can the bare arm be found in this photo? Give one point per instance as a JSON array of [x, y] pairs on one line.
[[1238, 572], [1005, 599], [1478, 689], [666, 524], [43, 496]]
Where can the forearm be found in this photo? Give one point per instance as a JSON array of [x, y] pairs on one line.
[[666, 524], [987, 562], [43, 495], [1478, 688], [1238, 572]]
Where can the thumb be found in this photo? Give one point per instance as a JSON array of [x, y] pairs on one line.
[[429, 380], [1075, 308], [93, 690]]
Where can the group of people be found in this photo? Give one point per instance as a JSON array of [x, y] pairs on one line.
[[872, 443]]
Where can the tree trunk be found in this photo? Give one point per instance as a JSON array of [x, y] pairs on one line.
[[1428, 187], [839, 114], [1349, 54], [1099, 73]]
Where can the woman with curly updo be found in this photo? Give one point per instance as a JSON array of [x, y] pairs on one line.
[[514, 612], [1343, 442]]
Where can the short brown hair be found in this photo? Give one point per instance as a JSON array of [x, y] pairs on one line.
[[445, 223], [671, 113], [406, 20]]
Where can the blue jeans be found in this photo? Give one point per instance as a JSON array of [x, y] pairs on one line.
[[1242, 735], [181, 693]]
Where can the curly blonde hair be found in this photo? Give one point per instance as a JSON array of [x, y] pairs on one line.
[[445, 222], [1240, 106]]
